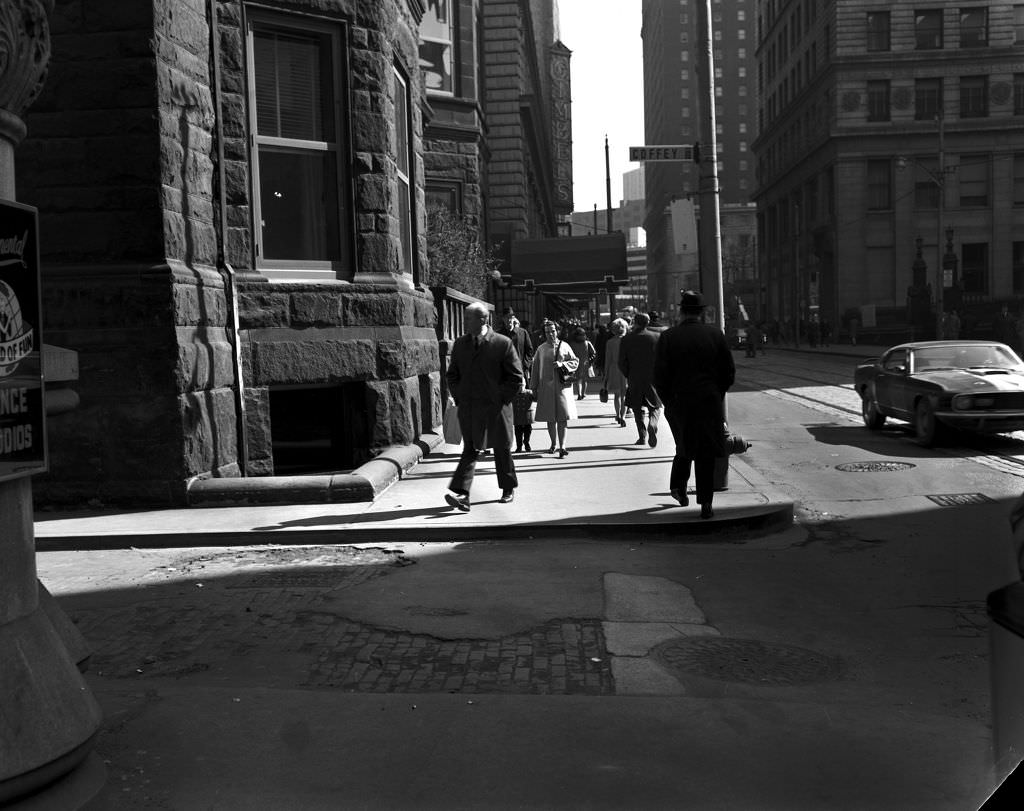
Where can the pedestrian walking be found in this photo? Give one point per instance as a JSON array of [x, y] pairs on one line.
[[1004, 328], [754, 340], [555, 406], [614, 380], [484, 374], [584, 350], [693, 370], [522, 419], [513, 330], [636, 361]]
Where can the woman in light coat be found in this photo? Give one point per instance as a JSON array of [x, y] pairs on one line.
[[614, 380], [555, 405]]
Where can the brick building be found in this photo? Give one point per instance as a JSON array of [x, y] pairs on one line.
[[232, 199]]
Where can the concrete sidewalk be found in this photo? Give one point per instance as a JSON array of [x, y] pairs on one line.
[[606, 483]]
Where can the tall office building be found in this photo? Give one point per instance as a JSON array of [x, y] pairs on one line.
[[888, 145], [672, 115]]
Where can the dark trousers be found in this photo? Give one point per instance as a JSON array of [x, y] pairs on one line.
[[462, 479], [523, 434], [653, 415], [705, 472], [704, 467]]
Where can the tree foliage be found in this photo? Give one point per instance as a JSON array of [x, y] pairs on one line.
[[456, 255]]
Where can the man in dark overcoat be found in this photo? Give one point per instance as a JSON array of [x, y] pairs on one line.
[[520, 338], [692, 372], [636, 362], [484, 374]]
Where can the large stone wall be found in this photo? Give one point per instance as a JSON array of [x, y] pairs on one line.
[[122, 160]]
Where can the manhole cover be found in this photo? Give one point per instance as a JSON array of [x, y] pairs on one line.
[[746, 660], [873, 467], [958, 499]]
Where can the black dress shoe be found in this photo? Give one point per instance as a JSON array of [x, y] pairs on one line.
[[527, 447], [458, 501], [507, 496], [551, 449], [706, 511]]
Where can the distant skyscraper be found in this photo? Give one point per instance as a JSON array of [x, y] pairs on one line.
[[672, 115]]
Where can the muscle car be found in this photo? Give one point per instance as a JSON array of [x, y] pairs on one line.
[[939, 385]]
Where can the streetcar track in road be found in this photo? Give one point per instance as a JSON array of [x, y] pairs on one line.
[[811, 396]]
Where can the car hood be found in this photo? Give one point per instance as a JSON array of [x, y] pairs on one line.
[[973, 381]]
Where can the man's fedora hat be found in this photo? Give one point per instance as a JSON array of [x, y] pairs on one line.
[[691, 300]]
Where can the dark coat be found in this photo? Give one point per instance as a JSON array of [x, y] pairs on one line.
[[636, 362], [522, 342], [483, 382], [693, 369]]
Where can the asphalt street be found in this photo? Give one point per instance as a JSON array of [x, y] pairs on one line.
[[838, 661]]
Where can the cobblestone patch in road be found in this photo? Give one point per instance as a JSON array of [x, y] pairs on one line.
[[290, 631]]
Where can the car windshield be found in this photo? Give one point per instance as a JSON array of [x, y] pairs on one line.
[[982, 356]]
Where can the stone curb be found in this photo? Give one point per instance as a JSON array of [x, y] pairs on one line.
[[775, 516], [364, 483]]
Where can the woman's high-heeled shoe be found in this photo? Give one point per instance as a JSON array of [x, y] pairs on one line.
[[562, 453], [551, 449]]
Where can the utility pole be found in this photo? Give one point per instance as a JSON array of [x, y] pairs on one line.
[[607, 187], [939, 216], [710, 220]]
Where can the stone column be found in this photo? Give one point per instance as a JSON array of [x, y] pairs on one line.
[[49, 718]]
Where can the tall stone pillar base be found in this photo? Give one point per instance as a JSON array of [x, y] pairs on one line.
[[48, 716]]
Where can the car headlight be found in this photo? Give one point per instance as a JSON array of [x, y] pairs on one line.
[[969, 401]]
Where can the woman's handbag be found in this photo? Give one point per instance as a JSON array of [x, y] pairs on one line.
[[452, 431], [566, 368], [604, 395]]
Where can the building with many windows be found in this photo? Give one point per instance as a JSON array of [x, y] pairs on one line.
[[232, 199], [672, 115], [889, 144]]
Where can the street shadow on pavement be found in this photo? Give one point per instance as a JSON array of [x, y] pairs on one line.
[[898, 440]]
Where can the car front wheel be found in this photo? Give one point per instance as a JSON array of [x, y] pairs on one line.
[[873, 418], [926, 427]]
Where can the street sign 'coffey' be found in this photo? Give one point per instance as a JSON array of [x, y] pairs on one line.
[[678, 152], [22, 426]]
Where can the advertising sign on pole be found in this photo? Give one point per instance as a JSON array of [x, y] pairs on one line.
[[22, 411]]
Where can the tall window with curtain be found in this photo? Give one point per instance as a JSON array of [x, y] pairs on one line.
[[402, 201], [298, 156]]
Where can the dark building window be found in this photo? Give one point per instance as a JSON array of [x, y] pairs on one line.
[[974, 180], [974, 267], [879, 185], [1018, 267], [928, 29], [298, 153], [973, 27], [1018, 25], [1018, 94], [878, 100], [927, 98], [1018, 179], [447, 196], [926, 190], [436, 50], [403, 183], [878, 31], [973, 96]]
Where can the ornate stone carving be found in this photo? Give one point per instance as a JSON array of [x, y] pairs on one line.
[[24, 52]]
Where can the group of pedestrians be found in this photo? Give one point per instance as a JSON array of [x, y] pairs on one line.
[[501, 385]]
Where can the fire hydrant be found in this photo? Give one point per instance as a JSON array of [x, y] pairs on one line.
[[734, 443]]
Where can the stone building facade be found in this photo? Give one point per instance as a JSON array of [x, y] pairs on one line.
[[879, 125], [231, 202]]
